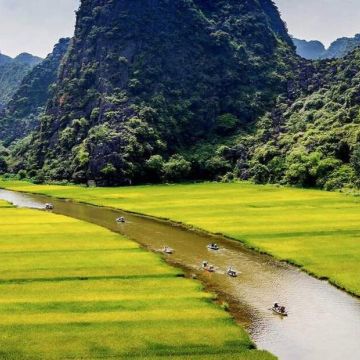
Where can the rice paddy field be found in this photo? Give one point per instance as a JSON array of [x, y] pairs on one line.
[[318, 231], [73, 290]]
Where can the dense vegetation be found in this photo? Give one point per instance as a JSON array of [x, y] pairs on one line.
[[73, 290], [145, 80], [316, 230], [315, 140], [12, 72]]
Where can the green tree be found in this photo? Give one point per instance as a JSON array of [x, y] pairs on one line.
[[355, 160], [155, 167], [177, 168], [226, 123]]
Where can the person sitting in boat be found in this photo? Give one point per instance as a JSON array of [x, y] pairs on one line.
[[204, 264], [280, 309], [168, 250], [232, 272], [213, 246]]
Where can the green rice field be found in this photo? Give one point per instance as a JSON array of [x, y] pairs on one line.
[[319, 231], [73, 290]]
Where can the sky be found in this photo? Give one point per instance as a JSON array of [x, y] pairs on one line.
[[324, 20], [35, 26]]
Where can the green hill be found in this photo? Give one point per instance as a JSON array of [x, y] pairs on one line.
[[143, 81]]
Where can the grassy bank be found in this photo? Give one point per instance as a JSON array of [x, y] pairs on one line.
[[73, 290], [319, 231]]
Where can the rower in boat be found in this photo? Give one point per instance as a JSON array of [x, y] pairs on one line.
[[207, 267], [49, 206], [213, 246], [210, 268], [231, 272], [168, 250], [279, 310], [120, 220]]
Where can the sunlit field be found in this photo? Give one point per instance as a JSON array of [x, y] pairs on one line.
[[317, 230], [73, 290]]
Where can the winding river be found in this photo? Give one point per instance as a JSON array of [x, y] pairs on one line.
[[323, 322]]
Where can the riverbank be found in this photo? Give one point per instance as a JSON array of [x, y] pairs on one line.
[[71, 289], [316, 230]]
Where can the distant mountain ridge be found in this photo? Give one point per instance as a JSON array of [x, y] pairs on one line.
[[12, 72], [4, 59], [315, 50], [310, 50], [20, 116], [28, 59], [342, 46]]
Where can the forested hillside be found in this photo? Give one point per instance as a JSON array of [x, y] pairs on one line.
[[313, 141], [145, 80]]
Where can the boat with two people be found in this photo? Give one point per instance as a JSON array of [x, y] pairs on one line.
[[49, 206], [231, 272], [213, 247], [207, 267], [279, 310]]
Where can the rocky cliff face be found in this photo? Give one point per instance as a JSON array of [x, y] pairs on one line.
[[147, 79]]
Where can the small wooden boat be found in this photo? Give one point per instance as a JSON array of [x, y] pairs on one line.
[[214, 247], [210, 268], [168, 250], [207, 267], [49, 206], [279, 310], [120, 220], [232, 273]]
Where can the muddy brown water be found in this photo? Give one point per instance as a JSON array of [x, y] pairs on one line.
[[323, 321]]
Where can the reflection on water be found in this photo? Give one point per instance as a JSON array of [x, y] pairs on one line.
[[323, 322]]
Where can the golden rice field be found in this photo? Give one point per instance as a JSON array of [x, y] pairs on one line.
[[73, 290], [319, 231]]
